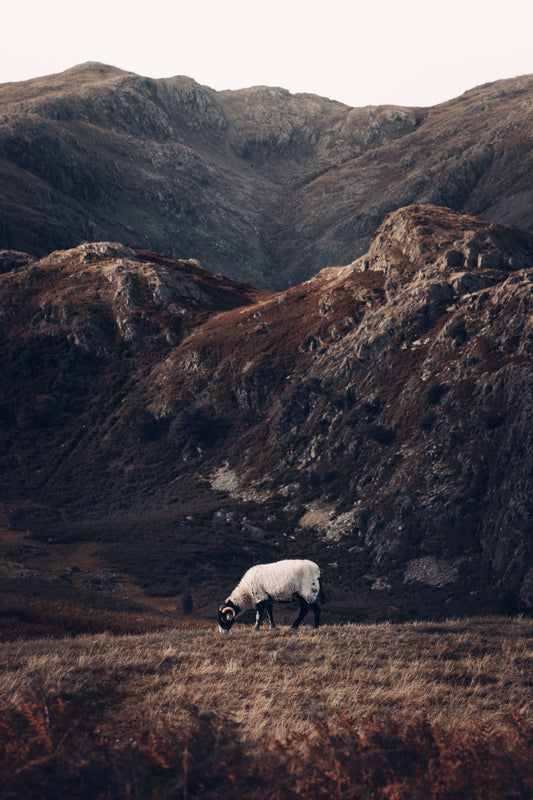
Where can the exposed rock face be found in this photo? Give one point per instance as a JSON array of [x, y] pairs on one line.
[[376, 418], [258, 184]]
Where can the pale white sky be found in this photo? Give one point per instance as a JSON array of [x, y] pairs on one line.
[[403, 52]]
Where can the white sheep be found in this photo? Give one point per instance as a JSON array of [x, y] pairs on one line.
[[280, 582]]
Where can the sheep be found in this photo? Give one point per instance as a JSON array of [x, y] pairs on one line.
[[281, 582]]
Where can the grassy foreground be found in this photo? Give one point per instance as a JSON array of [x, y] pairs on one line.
[[420, 710]]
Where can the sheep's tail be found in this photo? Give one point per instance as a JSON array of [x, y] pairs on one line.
[[321, 594]]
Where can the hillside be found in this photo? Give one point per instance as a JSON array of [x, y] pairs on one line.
[[257, 184], [170, 427]]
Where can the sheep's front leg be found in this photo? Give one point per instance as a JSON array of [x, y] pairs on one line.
[[270, 615], [259, 611]]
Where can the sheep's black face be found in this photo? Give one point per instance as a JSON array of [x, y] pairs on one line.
[[226, 618]]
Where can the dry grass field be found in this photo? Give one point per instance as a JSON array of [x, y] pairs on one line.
[[418, 710]]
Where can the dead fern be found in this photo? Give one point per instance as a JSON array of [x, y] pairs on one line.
[[362, 759]]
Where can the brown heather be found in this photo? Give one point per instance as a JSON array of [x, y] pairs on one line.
[[420, 710]]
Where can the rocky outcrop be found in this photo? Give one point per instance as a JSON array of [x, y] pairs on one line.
[[376, 417], [12, 259], [257, 184]]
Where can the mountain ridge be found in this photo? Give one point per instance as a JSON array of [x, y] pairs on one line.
[[258, 184]]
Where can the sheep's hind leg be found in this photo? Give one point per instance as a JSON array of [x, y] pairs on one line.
[[304, 608], [315, 608]]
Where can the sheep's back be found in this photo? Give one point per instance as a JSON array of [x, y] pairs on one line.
[[282, 580]]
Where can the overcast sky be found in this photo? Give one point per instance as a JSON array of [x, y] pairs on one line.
[[403, 52]]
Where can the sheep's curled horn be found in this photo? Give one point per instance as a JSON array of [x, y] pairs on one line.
[[228, 608]]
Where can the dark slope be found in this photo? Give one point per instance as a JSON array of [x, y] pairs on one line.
[[258, 184], [376, 418]]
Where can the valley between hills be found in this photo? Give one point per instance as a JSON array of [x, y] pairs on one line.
[[243, 326], [184, 425]]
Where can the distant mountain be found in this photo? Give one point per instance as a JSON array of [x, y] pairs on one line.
[[258, 184], [376, 418]]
